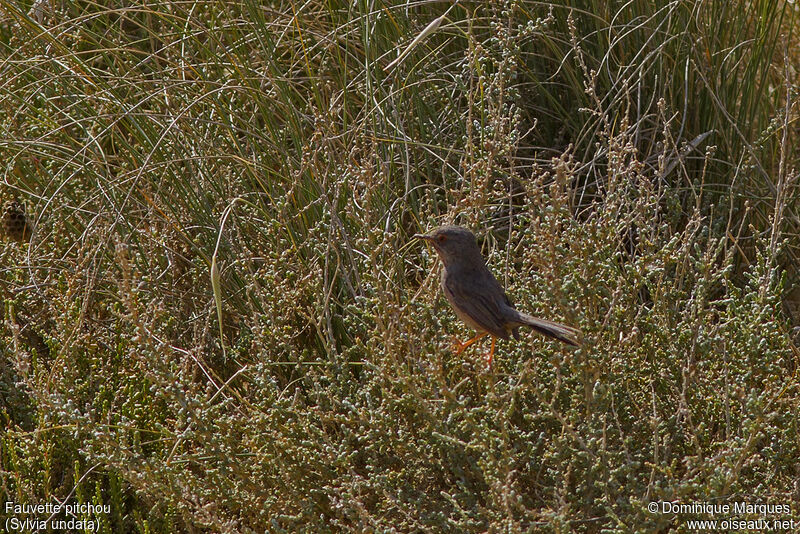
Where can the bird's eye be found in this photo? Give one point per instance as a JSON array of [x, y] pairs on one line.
[[442, 238]]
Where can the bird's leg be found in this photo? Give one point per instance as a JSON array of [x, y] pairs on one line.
[[491, 353], [461, 346]]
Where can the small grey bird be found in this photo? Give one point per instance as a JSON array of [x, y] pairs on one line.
[[477, 297]]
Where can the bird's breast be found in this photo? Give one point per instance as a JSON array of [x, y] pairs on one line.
[[446, 282]]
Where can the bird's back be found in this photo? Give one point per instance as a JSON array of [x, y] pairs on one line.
[[478, 298]]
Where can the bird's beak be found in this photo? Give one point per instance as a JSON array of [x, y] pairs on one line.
[[426, 237]]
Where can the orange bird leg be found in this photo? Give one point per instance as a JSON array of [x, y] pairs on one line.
[[461, 346], [491, 353]]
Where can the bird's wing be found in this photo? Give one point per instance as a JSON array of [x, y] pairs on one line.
[[480, 299]]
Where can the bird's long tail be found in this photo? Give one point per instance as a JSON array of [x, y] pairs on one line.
[[567, 334]]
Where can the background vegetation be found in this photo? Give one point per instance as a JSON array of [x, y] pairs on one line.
[[630, 167]]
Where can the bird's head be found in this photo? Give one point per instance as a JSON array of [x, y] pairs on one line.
[[453, 243]]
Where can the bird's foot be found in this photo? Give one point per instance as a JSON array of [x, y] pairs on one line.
[[490, 356], [459, 347]]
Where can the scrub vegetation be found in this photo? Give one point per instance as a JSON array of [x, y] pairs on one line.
[[214, 317]]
